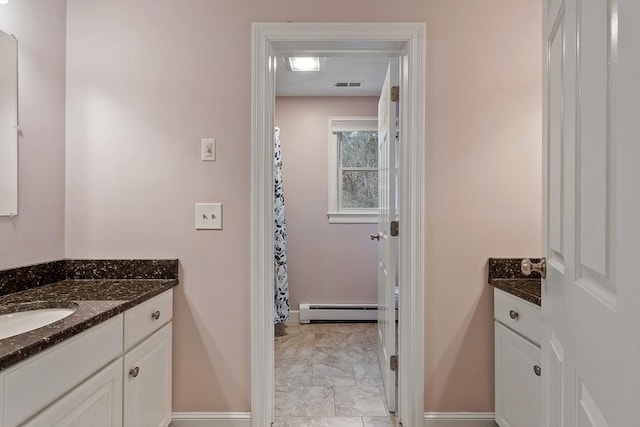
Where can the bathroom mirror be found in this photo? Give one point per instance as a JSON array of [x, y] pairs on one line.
[[8, 125]]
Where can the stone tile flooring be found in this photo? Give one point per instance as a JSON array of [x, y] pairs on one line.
[[327, 375]]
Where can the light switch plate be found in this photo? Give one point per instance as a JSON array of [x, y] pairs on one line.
[[208, 216], [208, 149]]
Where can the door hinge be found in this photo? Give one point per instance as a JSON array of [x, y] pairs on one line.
[[393, 362], [395, 228], [395, 93]]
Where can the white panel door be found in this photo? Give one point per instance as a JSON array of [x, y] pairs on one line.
[[387, 244], [591, 233]]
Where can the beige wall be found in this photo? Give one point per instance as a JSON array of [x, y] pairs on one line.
[[37, 233], [147, 79], [328, 263], [483, 169]]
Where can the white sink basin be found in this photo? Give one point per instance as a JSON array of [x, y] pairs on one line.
[[21, 320]]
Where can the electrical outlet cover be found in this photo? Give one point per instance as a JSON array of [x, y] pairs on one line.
[[208, 216]]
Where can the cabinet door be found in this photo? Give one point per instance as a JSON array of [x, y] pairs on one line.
[[95, 403], [517, 380], [147, 381]]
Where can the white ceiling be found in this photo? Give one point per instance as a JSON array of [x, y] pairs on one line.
[[370, 71]]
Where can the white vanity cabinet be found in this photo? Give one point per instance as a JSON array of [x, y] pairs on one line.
[[518, 329], [98, 378]]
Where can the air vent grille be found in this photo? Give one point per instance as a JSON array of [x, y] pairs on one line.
[[347, 84]]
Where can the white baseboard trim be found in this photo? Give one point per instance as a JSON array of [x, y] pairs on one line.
[[294, 317], [243, 419], [210, 419], [459, 419]]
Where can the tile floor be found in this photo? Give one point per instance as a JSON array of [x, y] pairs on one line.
[[327, 375]]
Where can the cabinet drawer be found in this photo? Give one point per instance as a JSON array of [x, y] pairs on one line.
[[142, 320], [41, 379], [519, 315]]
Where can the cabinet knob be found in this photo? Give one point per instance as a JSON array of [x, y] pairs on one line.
[[375, 236], [514, 314], [134, 372], [537, 370], [155, 315]]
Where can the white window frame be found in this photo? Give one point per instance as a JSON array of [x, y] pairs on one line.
[[336, 214]]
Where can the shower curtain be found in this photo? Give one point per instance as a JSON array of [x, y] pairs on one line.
[[281, 279]]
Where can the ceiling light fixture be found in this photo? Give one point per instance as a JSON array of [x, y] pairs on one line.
[[303, 63]]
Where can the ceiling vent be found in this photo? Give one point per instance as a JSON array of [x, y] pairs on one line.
[[347, 84]]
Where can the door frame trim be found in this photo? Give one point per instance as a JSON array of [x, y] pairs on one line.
[[406, 40]]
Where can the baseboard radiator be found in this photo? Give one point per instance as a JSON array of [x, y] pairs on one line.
[[338, 312]]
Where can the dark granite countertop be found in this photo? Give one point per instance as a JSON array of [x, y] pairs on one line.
[[97, 300], [504, 274]]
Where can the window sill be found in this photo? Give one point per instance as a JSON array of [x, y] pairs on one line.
[[356, 217]]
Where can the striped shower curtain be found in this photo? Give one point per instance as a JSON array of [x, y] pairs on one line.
[[281, 279]]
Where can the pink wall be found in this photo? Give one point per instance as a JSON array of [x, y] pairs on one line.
[[483, 172], [328, 263], [37, 233], [146, 80]]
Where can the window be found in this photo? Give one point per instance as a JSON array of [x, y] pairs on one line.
[[353, 170]]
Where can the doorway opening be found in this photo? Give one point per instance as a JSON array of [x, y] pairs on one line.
[[330, 173], [285, 39]]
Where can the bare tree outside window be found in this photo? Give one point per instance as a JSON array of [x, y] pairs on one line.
[[358, 169]]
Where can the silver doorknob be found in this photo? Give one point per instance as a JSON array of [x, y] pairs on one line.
[[375, 236], [527, 267]]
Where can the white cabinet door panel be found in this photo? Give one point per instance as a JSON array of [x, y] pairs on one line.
[[95, 403], [517, 383], [147, 381]]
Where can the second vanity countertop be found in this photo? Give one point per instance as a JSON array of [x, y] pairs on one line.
[[97, 300], [505, 274]]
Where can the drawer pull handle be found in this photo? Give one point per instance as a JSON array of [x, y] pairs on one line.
[[537, 370], [514, 314], [155, 315], [134, 372]]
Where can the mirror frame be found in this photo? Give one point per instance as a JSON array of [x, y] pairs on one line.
[[11, 128]]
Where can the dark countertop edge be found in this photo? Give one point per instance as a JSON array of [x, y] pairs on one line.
[[56, 338], [47, 342], [506, 285], [21, 278]]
